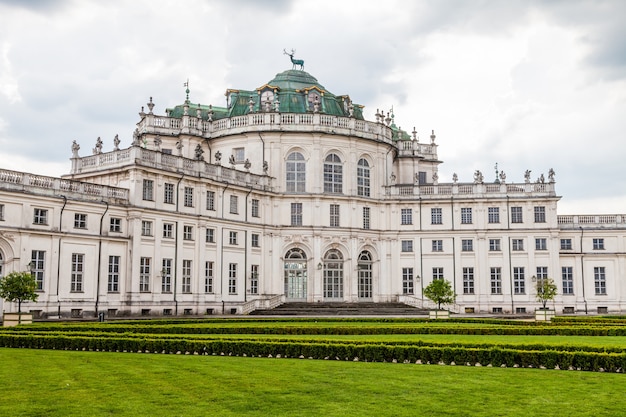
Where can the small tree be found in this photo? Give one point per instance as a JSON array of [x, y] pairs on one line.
[[18, 287], [546, 290], [440, 291]]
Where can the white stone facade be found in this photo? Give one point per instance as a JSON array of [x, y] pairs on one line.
[[300, 206]]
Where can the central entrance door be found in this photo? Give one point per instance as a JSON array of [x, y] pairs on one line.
[[295, 275]]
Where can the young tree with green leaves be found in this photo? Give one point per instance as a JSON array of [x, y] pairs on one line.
[[17, 287], [440, 291], [546, 290]]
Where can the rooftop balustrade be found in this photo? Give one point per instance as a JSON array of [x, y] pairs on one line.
[[296, 122], [472, 190], [167, 162], [52, 186]]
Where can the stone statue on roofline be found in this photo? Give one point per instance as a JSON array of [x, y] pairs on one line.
[[75, 149], [551, 175], [478, 177], [98, 149], [527, 176], [116, 143]]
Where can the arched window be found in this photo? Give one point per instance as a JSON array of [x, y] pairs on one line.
[[365, 275], [295, 275], [363, 178], [1, 264], [333, 174], [333, 275], [296, 173]]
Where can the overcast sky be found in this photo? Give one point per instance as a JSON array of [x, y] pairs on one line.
[[527, 84]]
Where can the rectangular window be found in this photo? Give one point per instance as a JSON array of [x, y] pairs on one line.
[[366, 218], [186, 287], [542, 272], [540, 214], [78, 268], [541, 243], [210, 200], [254, 240], [519, 282], [232, 278], [144, 274], [421, 177], [493, 214], [234, 204], [210, 235], [468, 280], [466, 215], [406, 216], [254, 279], [80, 221], [496, 280], [566, 244], [436, 216], [517, 244], [37, 260], [166, 276], [40, 216], [1, 212], [146, 228], [239, 154], [232, 238], [407, 281], [437, 273], [494, 245], [208, 277], [296, 214], [113, 284], [334, 215], [188, 200], [567, 276], [467, 245], [599, 279], [598, 244], [516, 215], [187, 232], [407, 246], [255, 207], [115, 224], [168, 230], [148, 190], [437, 245], [168, 193]]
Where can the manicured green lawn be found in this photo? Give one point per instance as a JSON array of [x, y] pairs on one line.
[[69, 383]]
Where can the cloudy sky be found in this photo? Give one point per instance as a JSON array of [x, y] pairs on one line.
[[527, 84]]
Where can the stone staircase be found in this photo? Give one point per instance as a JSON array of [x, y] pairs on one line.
[[342, 309]]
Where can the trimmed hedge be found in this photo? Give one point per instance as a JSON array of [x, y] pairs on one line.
[[460, 355]]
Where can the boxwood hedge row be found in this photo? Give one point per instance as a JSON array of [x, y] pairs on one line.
[[459, 355]]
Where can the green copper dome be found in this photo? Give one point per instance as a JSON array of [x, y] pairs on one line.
[[295, 80], [291, 91]]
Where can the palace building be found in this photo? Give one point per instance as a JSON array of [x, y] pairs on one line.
[[286, 193]]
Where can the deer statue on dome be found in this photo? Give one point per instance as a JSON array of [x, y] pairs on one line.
[[295, 62]]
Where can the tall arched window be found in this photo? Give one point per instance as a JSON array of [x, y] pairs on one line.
[[365, 275], [295, 275], [363, 178], [333, 275], [296, 173], [333, 174]]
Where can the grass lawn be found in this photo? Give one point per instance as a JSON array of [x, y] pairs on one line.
[[69, 383]]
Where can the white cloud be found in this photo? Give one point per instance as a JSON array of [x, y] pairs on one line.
[[530, 85]]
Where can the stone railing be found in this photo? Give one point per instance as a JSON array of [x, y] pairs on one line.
[[414, 148], [52, 186], [592, 221], [168, 162], [167, 126], [459, 190], [267, 303]]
